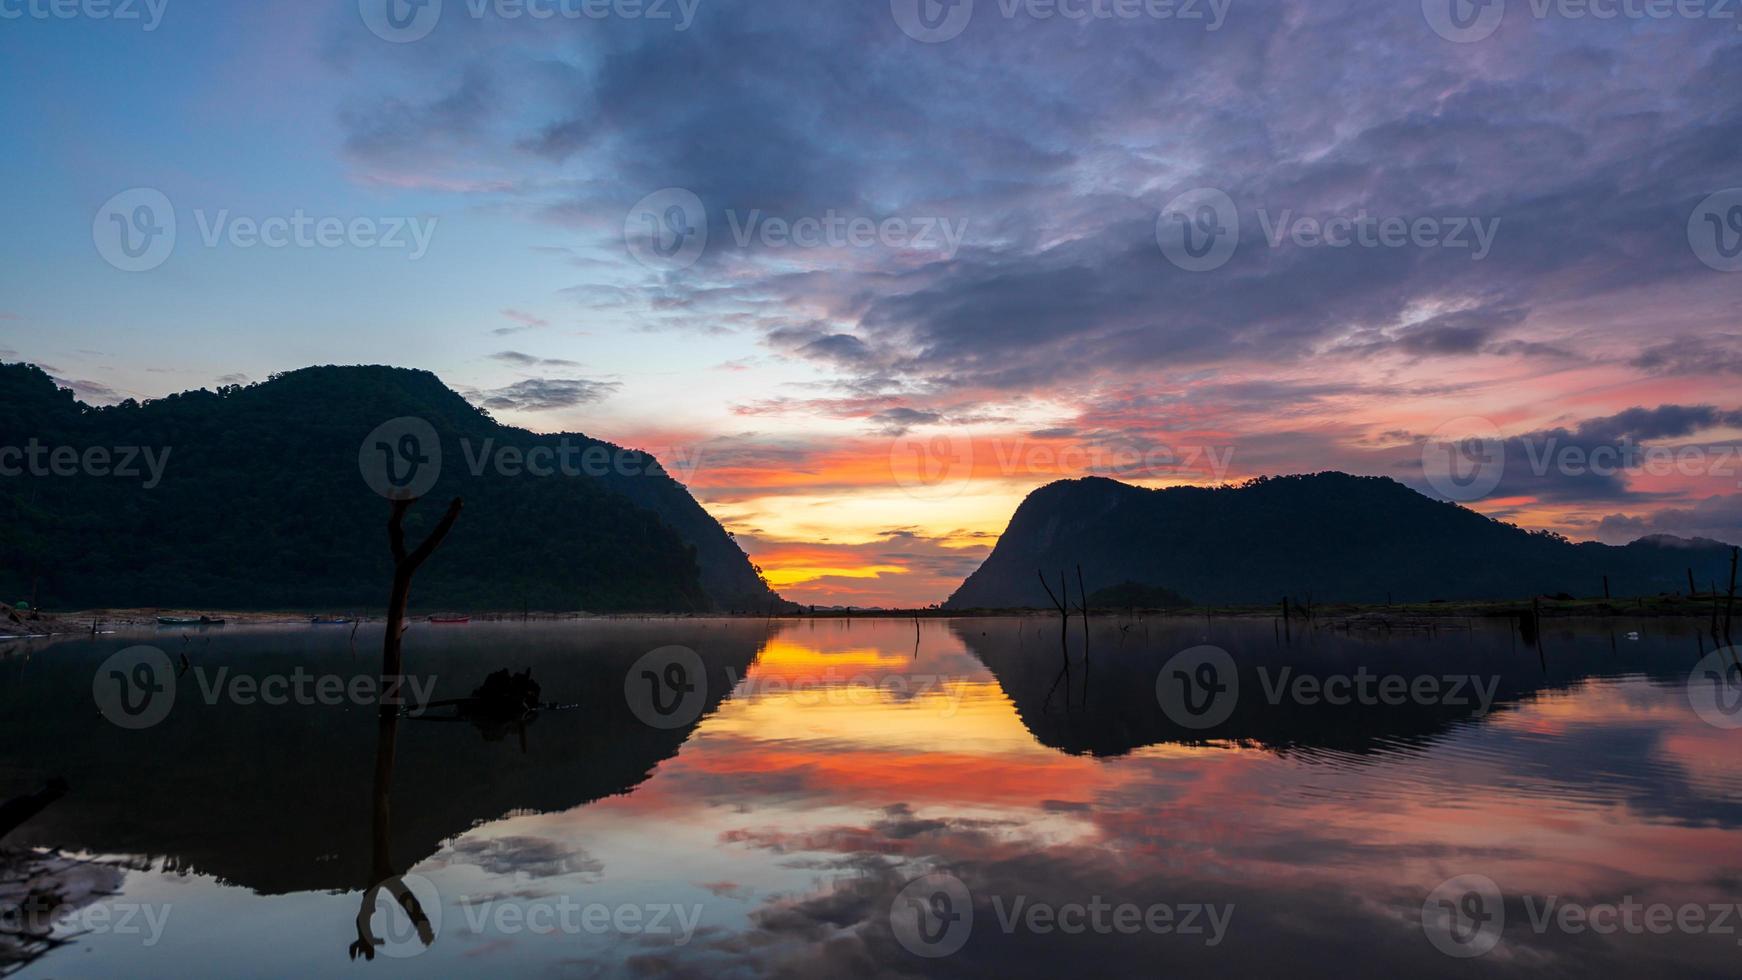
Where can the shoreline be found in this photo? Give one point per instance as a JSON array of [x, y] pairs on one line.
[[15, 625]]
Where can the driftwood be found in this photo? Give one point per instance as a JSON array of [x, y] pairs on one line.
[[405, 565]]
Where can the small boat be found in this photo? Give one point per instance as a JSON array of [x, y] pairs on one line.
[[330, 621], [188, 621], [450, 620]]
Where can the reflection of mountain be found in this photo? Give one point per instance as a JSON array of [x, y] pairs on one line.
[[1330, 535], [278, 799], [1112, 707]]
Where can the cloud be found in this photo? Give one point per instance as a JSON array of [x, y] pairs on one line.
[[522, 321], [1718, 518], [519, 359], [544, 394]]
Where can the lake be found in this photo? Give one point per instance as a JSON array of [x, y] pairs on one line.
[[875, 797]]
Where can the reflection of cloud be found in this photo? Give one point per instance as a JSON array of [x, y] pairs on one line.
[[534, 856]]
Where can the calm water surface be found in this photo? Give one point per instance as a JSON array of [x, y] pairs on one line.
[[871, 798]]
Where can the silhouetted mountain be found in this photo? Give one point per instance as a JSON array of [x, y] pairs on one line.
[[261, 504], [1331, 535]]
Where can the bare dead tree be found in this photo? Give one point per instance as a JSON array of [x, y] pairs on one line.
[[1062, 606], [405, 565]]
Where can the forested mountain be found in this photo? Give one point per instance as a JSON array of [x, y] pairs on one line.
[[252, 497], [1333, 536]]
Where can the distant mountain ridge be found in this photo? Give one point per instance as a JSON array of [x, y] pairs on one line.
[[1334, 536], [262, 505]]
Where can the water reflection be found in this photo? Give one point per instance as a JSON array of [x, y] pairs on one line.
[[835, 762]]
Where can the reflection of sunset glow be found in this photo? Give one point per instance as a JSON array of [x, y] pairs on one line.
[[812, 768]]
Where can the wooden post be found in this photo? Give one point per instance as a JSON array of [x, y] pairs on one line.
[[1691, 590], [405, 565], [1083, 607], [1605, 588], [1730, 600]]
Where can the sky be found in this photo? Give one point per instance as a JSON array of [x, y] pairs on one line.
[[866, 274]]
